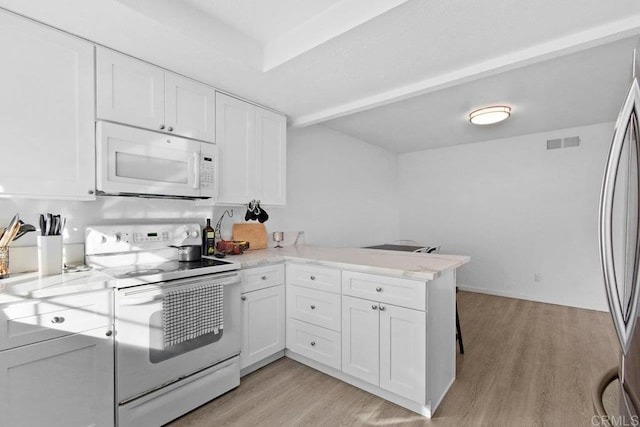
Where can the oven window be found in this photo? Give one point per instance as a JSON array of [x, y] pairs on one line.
[[157, 354], [150, 168]]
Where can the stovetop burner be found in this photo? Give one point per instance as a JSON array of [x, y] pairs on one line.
[[204, 262]]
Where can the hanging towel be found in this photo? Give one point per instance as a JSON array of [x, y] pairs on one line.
[[189, 313]]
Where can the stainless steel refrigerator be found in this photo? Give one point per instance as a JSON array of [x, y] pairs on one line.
[[619, 236]]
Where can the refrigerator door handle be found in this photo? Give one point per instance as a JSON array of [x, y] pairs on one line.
[[627, 118]]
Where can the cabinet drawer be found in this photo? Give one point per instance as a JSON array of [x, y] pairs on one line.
[[313, 276], [261, 277], [38, 320], [392, 290], [314, 342], [316, 307]]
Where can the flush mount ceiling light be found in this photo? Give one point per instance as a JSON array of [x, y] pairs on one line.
[[489, 115]]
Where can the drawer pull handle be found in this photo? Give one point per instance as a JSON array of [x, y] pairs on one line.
[[313, 307], [57, 319], [264, 277], [313, 277], [313, 343], [375, 307], [109, 333], [378, 289], [382, 308], [243, 298]]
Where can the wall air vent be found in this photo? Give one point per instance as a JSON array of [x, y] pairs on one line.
[[571, 141], [553, 144]]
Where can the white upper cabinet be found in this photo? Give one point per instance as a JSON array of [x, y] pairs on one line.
[[271, 148], [189, 107], [235, 135], [252, 149], [134, 92], [46, 112], [129, 91]]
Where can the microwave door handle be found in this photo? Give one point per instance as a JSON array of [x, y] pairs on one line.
[[196, 170]]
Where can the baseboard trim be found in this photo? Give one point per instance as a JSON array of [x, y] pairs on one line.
[[515, 295], [261, 364]]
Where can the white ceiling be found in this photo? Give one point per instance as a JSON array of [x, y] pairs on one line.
[[580, 89], [346, 62], [262, 20]]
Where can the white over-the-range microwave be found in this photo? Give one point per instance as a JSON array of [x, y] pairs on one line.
[[137, 162]]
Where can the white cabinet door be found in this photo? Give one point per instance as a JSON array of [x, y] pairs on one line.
[[253, 145], [62, 382], [189, 108], [136, 93], [403, 362], [235, 137], [129, 91], [360, 339], [263, 324], [46, 112], [271, 134]]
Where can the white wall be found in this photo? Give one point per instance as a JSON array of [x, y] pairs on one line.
[[517, 209], [341, 191]]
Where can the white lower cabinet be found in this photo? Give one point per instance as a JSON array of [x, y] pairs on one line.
[[263, 324], [316, 343], [385, 345], [62, 382], [403, 347], [360, 339]]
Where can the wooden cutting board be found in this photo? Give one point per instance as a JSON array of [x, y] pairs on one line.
[[254, 233]]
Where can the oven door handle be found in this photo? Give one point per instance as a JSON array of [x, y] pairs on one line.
[[140, 301]]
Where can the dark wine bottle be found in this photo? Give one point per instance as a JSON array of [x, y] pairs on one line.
[[208, 239]]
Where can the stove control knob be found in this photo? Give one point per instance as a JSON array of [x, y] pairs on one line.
[[185, 234], [194, 234], [118, 237], [103, 239]]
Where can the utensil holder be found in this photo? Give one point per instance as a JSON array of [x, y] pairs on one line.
[[49, 255], [4, 262]]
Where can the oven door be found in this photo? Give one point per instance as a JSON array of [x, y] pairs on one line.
[[135, 161], [142, 362]]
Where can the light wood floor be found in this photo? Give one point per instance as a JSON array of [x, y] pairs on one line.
[[525, 364]]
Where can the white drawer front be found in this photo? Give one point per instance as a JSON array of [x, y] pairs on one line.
[[257, 278], [314, 342], [392, 290], [316, 307], [38, 320], [313, 276]]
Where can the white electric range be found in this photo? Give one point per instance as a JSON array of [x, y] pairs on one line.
[[157, 382]]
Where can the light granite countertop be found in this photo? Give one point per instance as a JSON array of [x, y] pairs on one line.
[[31, 286], [390, 263]]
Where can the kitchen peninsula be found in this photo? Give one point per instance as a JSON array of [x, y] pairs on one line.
[[383, 321]]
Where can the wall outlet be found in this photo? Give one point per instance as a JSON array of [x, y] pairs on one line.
[[537, 277]]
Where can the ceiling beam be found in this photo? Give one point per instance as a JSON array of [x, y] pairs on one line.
[[331, 23], [566, 45]]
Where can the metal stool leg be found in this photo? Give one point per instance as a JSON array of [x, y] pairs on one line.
[[458, 332]]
